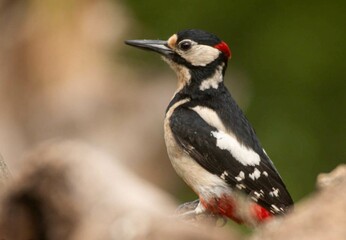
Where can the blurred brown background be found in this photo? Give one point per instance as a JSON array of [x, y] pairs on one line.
[[66, 74], [61, 78]]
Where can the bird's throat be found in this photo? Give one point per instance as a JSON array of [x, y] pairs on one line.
[[196, 80], [183, 74]]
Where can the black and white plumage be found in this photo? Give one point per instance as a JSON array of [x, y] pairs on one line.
[[210, 142]]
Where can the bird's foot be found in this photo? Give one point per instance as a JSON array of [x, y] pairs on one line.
[[192, 211], [187, 208]]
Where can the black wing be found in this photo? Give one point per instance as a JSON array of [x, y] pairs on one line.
[[196, 138]]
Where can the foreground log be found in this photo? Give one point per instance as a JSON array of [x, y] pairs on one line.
[[4, 174], [321, 216], [70, 191]]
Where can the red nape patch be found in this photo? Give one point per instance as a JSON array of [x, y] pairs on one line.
[[223, 47], [224, 206], [261, 214]]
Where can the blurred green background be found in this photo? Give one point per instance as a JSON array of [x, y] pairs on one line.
[[293, 57]]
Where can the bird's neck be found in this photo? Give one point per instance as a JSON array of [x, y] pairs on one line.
[[199, 82], [199, 85]]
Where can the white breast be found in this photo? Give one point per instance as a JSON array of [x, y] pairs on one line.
[[200, 180]]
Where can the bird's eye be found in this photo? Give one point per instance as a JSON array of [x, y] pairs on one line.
[[186, 45]]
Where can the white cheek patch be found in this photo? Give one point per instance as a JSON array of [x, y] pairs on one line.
[[200, 55], [241, 153], [213, 81]]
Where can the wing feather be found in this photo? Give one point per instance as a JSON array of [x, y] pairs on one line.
[[261, 181]]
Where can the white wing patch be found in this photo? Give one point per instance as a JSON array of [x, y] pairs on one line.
[[240, 186], [257, 194], [241, 153], [240, 176], [255, 175], [274, 193], [210, 117], [223, 175], [275, 208]]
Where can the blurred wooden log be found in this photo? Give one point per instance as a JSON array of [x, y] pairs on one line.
[[68, 191], [321, 216], [325, 180], [4, 174], [71, 191]]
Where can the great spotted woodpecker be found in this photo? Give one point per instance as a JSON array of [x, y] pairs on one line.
[[210, 142]]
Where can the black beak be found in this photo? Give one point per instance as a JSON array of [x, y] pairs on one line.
[[158, 46]]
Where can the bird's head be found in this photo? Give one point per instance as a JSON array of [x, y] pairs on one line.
[[190, 52]]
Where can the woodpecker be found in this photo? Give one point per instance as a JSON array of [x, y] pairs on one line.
[[211, 144]]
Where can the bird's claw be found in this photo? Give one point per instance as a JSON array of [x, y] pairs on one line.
[[187, 211], [187, 207]]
